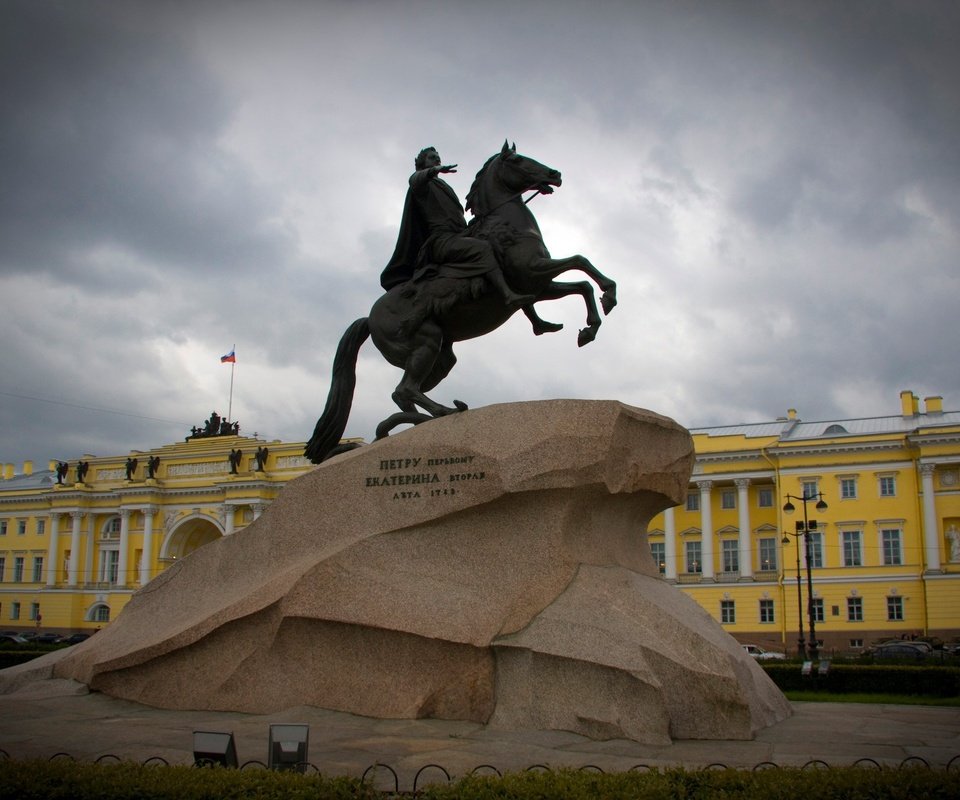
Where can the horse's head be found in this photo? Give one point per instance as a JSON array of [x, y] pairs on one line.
[[509, 174], [520, 173]]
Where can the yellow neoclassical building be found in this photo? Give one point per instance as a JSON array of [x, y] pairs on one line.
[[75, 543], [884, 543]]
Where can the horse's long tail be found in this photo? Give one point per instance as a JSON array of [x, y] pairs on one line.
[[333, 421]]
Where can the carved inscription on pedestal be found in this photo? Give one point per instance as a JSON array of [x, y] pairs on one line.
[[418, 478]]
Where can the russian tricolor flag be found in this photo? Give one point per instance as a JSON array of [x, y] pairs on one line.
[[229, 358]]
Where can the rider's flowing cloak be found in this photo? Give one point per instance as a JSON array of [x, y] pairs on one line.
[[417, 247]]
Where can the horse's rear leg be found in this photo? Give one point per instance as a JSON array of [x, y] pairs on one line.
[[426, 347], [441, 367]]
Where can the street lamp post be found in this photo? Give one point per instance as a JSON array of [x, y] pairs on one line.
[[804, 529], [801, 644]]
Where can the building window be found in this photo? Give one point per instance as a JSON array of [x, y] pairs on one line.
[[888, 486], [728, 612], [765, 498], [41, 527], [109, 565], [818, 612], [728, 499], [693, 557], [848, 488], [731, 555], [112, 529], [18, 569], [854, 609], [856, 644], [101, 613], [895, 609], [659, 552], [816, 550], [3, 527], [37, 569], [34, 611], [852, 550], [766, 611], [3, 565], [768, 554], [693, 501], [810, 488], [15, 609], [21, 527], [892, 547]]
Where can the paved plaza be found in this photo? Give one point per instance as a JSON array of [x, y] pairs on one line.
[[48, 717]]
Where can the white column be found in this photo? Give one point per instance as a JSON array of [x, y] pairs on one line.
[[88, 574], [743, 513], [74, 548], [670, 544], [122, 560], [931, 536], [258, 509], [146, 560], [227, 516], [52, 549], [706, 526]]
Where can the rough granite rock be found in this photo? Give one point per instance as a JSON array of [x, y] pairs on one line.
[[490, 565]]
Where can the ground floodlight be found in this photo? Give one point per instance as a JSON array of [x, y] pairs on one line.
[[288, 747], [214, 748]]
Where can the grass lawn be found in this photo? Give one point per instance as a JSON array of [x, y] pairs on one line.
[[892, 699]]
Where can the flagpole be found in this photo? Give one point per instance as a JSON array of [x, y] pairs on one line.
[[233, 366]]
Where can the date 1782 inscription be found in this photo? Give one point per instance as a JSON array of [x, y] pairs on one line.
[[414, 478]]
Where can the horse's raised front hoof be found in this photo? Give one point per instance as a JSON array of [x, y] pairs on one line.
[[586, 335], [461, 406], [546, 327], [608, 300]]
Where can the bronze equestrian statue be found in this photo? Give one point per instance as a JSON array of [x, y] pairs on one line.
[[443, 286]]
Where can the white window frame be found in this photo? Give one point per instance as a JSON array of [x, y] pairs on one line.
[[848, 487], [843, 547], [767, 611], [728, 612], [895, 608], [728, 499], [855, 611], [771, 543], [887, 479], [765, 497], [689, 562], [37, 569], [898, 539], [730, 555]]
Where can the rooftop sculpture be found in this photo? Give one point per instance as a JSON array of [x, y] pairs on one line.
[[449, 281]]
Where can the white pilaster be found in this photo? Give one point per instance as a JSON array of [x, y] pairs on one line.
[[123, 557], [228, 515], [670, 544], [146, 560], [706, 526], [52, 548], [77, 517], [931, 536], [743, 514]]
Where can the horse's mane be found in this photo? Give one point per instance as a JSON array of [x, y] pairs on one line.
[[474, 196]]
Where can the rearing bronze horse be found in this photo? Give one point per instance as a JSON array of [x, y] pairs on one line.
[[414, 325]]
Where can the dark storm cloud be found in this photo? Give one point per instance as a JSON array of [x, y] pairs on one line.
[[109, 127], [773, 184]]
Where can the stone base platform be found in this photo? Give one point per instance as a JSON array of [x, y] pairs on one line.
[[490, 566]]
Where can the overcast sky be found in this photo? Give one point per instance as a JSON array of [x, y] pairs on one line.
[[774, 185]]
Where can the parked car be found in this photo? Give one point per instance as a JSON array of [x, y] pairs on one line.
[[47, 638], [12, 638], [763, 655], [75, 638], [905, 650]]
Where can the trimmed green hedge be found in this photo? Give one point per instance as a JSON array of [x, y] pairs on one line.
[[44, 780], [870, 679]]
